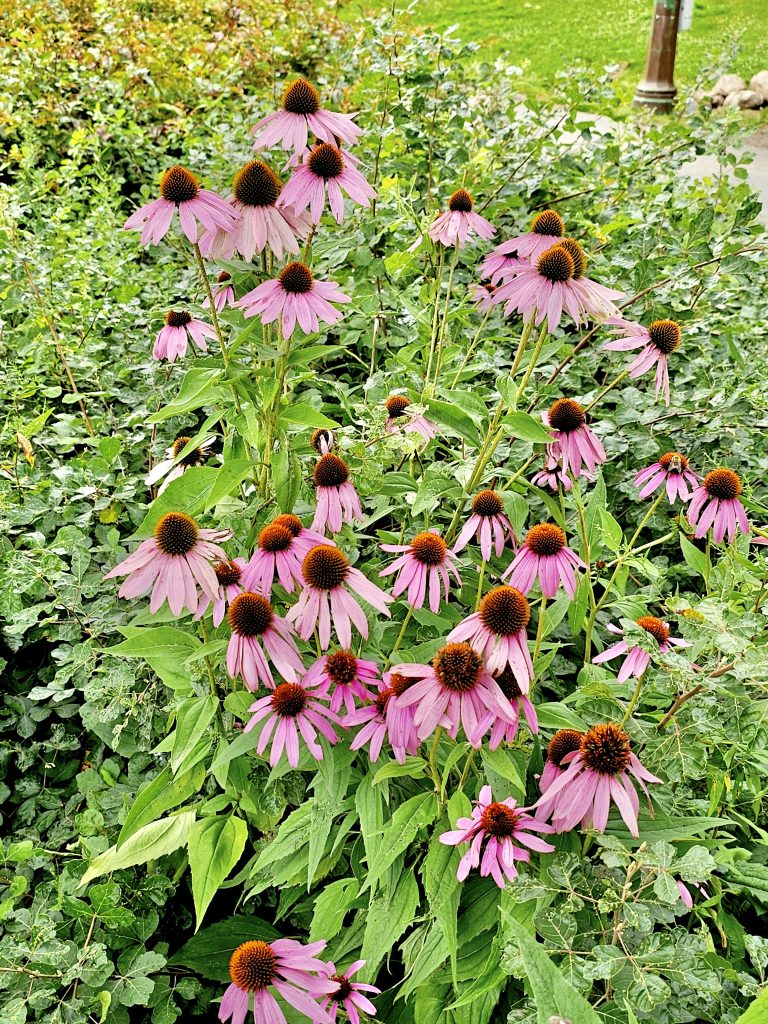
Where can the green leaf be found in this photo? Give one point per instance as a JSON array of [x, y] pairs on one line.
[[527, 428], [199, 489], [408, 819], [455, 419], [208, 952], [501, 762], [159, 795], [559, 716], [331, 907], [443, 889], [412, 768], [694, 558], [306, 416], [197, 388], [662, 829], [386, 921], [152, 841], [215, 846], [193, 716], [164, 648], [757, 1011]]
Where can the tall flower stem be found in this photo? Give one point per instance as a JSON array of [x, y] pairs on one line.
[[273, 413], [633, 699], [467, 767], [433, 771], [609, 387], [470, 351], [480, 577], [543, 334], [214, 315], [539, 629], [401, 634], [444, 319], [588, 559], [435, 315]]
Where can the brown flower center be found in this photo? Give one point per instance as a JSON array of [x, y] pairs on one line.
[[723, 484], [249, 614], [296, 278], [460, 201], [317, 437], [341, 666], [565, 741], [428, 548], [556, 264], [665, 335], [289, 700], [192, 458], [658, 629], [507, 683], [381, 700], [396, 405], [275, 538], [178, 185], [566, 415], [326, 161], [223, 276], [290, 521], [176, 533], [457, 667], [487, 503], [253, 966], [578, 254], [505, 611], [177, 318], [499, 821], [545, 539], [227, 573], [256, 184], [301, 98], [399, 683], [324, 567], [548, 222], [673, 462], [331, 471], [605, 749], [344, 991]]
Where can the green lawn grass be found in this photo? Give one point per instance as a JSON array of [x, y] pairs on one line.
[[547, 36]]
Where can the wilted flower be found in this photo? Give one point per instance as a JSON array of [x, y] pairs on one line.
[[172, 467], [349, 994], [399, 420], [228, 574], [657, 341]]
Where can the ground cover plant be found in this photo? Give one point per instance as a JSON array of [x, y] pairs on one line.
[[384, 619]]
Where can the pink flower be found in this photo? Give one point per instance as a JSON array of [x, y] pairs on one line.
[[228, 575], [280, 549], [383, 718], [455, 690], [505, 830], [172, 467], [716, 504], [496, 266], [290, 709], [325, 171], [459, 222], [288, 967], [488, 524], [657, 342], [670, 471], [544, 555], [555, 284], [685, 892], [295, 295], [349, 994], [252, 619], [180, 190], [401, 421], [171, 340], [552, 476], [482, 296], [174, 562], [600, 771], [637, 660], [426, 560], [565, 741], [344, 678], [322, 440], [501, 731], [547, 229], [262, 221], [326, 597], [223, 293], [573, 442], [337, 499], [301, 114], [497, 632]]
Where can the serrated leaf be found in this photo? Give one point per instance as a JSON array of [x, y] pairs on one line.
[[385, 923], [408, 819], [161, 794]]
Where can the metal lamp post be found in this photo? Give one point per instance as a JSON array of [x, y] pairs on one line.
[[657, 87]]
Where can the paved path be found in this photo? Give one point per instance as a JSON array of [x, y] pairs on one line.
[[757, 172]]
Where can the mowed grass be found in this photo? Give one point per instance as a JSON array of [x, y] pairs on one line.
[[548, 36]]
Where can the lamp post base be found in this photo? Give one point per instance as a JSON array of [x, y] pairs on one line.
[[657, 89], [656, 96]]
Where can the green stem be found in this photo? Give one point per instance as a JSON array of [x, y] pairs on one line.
[[467, 766], [273, 413], [539, 630], [480, 585], [214, 316], [633, 699], [543, 334], [434, 773], [606, 389], [401, 634], [435, 313], [470, 351], [444, 319]]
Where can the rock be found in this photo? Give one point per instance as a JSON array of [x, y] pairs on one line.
[[727, 84], [744, 99], [759, 83]]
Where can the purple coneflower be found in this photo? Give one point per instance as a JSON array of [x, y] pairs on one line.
[[600, 771], [547, 229], [222, 291], [482, 296], [502, 731], [720, 488], [262, 220], [292, 709], [172, 339], [228, 575], [301, 113], [574, 443], [672, 472], [287, 966], [657, 342], [337, 499], [685, 893], [545, 555], [349, 994], [426, 560], [180, 190], [344, 678], [497, 632], [252, 619], [172, 467], [400, 421], [459, 222], [565, 741], [326, 598], [322, 440], [295, 295], [637, 660], [552, 475], [280, 549], [488, 524], [384, 719], [174, 562], [455, 690], [325, 171], [505, 830]]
